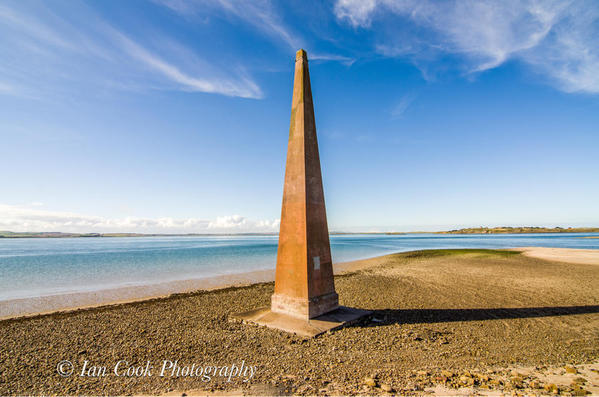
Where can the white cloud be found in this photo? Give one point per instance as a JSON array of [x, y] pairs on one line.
[[400, 108], [261, 14], [244, 87], [238, 222], [359, 12], [24, 218], [560, 39], [347, 61], [226, 222], [571, 52], [38, 45], [33, 28], [258, 13]]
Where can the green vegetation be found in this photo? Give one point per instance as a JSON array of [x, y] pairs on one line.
[[456, 252], [521, 229]]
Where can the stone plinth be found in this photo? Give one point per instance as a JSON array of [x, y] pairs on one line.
[[338, 318]]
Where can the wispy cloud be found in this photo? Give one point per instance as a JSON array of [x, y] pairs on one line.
[[258, 13], [557, 38], [332, 57], [358, 12], [33, 28], [39, 45], [262, 15], [400, 108], [243, 87], [33, 219]]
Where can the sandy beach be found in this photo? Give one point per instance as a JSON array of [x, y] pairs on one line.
[[568, 255], [444, 321]]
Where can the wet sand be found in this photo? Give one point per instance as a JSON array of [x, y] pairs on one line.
[[443, 321]]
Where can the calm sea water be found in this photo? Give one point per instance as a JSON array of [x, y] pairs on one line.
[[39, 267]]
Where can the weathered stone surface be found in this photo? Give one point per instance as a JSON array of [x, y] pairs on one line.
[[304, 300], [304, 284], [306, 328]]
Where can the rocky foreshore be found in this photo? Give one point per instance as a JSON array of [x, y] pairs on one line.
[[443, 322]]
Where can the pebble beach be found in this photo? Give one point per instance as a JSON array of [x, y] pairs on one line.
[[443, 322]]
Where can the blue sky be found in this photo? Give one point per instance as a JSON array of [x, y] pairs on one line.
[[172, 116]]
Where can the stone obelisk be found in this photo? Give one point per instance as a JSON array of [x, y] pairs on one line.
[[304, 285], [304, 301]]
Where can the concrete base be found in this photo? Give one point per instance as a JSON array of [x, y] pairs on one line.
[[303, 307], [300, 326]]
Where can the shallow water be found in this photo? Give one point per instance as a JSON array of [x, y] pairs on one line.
[[41, 267]]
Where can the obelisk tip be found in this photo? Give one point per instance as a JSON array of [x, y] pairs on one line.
[[301, 54]]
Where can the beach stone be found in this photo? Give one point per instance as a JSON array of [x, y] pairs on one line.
[[386, 387], [466, 380], [570, 369], [368, 381], [549, 386], [517, 382], [447, 374]]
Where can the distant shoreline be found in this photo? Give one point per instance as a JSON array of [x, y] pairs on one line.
[[521, 230], [7, 234], [478, 230]]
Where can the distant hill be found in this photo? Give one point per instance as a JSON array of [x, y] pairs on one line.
[[7, 234], [474, 230], [521, 229]]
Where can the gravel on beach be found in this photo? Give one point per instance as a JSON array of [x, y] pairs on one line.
[[442, 319]]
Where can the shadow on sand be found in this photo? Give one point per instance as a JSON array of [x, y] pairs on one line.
[[423, 316]]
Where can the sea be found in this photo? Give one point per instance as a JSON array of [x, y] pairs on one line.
[[38, 267]]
